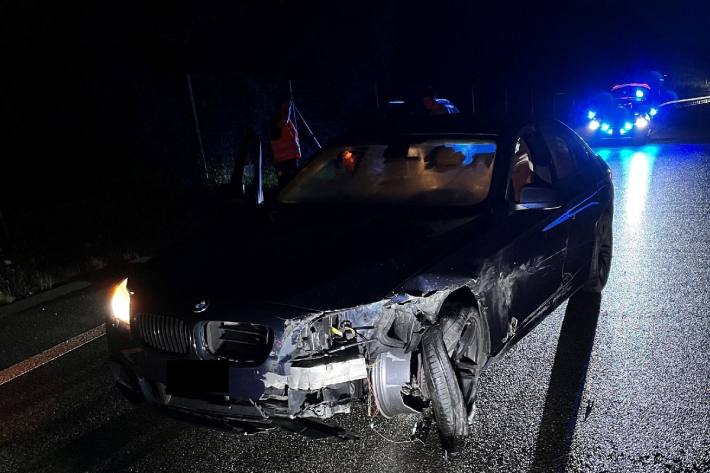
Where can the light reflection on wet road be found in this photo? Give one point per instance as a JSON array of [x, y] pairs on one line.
[[621, 384]]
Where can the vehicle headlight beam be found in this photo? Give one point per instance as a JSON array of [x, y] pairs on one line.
[[121, 302]]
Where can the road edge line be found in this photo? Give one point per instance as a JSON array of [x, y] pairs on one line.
[[40, 359]]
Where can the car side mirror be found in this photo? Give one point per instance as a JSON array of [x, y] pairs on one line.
[[533, 197]]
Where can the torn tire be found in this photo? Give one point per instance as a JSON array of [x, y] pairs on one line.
[[601, 257], [468, 345], [446, 398]]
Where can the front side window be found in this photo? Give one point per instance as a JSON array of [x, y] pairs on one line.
[[410, 171], [526, 168], [523, 169]]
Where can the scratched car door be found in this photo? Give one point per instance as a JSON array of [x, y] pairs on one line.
[[581, 188], [537, 253]]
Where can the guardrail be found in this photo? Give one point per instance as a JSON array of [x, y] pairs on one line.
[[687, 102]]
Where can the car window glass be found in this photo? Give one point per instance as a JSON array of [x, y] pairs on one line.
[[562, 158], [584, 157], [411, 171], [526, 169]]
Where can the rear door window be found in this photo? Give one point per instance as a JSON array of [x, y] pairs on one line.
[[563, 159]]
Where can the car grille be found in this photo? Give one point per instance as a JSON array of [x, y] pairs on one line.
[[164, 333], [242, 343]]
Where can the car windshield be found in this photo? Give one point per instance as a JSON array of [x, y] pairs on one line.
[[428, 172], [631, 92]]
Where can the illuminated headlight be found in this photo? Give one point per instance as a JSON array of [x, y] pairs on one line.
[[121, 302], [641, 122], [591, 114], [605, 127], [628, 126], [593, 125], [639, 93], [653, 112]]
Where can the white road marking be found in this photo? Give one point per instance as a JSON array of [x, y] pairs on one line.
[[51, 354]]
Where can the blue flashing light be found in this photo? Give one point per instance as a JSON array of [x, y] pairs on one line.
[[609, 131], [591, 114], [605, 127], [593, 125], [653, 112], [622, 131], [639, 93], [628, 126]]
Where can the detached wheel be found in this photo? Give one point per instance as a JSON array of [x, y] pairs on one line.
[[443, 387], [601, 257]]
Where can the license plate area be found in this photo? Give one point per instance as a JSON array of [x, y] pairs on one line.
[[197, 377]]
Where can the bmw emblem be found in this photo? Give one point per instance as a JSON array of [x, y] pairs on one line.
[[200, 306]]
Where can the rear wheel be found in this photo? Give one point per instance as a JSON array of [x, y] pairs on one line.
[[601, 258], [442, 385]]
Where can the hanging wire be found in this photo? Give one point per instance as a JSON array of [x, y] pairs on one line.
[[298, 114], [307, 127], [415, 440]]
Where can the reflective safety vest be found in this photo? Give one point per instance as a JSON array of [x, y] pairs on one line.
[[286, 146]]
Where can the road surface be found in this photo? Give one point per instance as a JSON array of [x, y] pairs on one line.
[[621, 384]]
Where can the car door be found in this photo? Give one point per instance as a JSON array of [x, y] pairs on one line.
[[537, 253], [578, 178]]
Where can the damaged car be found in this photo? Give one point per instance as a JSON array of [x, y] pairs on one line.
[[403, 260]]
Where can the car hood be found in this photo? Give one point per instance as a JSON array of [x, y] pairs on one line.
[[314, 260]]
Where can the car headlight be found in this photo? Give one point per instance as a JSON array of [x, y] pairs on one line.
[[639, 93], [641, 122], [121, 302], [593, 124]]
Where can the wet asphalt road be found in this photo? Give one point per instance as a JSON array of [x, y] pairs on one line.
[[617, 384]]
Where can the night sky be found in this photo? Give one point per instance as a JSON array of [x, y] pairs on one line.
[[94, 94]]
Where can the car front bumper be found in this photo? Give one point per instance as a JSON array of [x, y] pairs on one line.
[[258, 393]]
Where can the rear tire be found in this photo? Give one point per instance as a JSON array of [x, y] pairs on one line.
[[602, 255], [446, 398]]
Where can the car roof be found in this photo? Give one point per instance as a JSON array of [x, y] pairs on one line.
[[630, 84]]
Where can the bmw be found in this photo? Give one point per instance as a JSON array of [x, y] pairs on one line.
[[403, 260]]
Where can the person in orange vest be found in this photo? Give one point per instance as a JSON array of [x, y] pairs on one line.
[[284, 144]]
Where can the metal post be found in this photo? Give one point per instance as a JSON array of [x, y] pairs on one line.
[[292, 107], [377, 97], [260, 191], [197, 127], [473, 99], [5, 234]]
